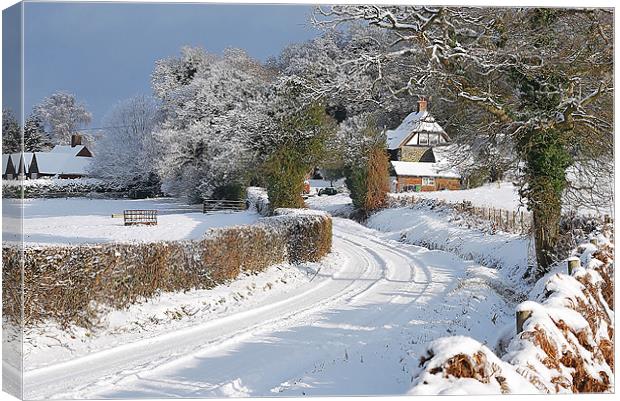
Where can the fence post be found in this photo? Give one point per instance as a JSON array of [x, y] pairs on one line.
[[573, 263], [522, 316]]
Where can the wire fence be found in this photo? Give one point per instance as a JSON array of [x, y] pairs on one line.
[[513, 221]]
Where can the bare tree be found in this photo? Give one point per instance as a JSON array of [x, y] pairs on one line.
[[62, 115], [126, 153]]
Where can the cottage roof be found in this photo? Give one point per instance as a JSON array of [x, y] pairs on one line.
[[15, 158], [61, 163], [67, 149], [421, 169], [415, 122], [5, 163]]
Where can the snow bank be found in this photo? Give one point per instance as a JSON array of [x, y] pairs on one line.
[[566, 345], [503, 195], [439, 227], [461, 365]]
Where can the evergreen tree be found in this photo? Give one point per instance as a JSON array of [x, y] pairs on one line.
[[11, 133], [298, 147], [35, 137], [366, 163]]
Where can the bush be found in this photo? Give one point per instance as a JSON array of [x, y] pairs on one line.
[[369, 183], [285, 178], [234, 191]]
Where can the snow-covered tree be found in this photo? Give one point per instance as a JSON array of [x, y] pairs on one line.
[[366, 163], [35, 137], [211, 105], [292, 150], [62, 115], [11, 133], [127, 151]]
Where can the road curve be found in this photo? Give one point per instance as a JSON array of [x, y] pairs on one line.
[[347, 334]]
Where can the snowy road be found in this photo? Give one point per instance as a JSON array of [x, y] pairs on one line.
[[355, 330]]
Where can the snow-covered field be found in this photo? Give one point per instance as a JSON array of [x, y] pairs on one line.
[[441, 229], [79, 220], [504, 195], [501, 196]]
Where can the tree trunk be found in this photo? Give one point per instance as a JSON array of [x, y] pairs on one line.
[[545, 171], [546, 232]]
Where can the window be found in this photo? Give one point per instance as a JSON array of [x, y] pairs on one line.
[[423, 139], [428, 181], [434, 139]]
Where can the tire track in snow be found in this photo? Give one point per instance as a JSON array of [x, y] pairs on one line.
[[43, 382], [372, 290]]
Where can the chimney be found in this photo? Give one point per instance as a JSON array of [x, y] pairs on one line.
[[76, 139], [422, 105]]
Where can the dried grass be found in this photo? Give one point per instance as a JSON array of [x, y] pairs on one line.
[[474, 366]]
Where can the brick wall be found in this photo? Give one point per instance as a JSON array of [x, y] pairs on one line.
[[440, 183]]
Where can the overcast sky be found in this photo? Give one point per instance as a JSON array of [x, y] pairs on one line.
[[105, 52]]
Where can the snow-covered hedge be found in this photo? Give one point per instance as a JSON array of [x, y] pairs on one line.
[[566, 346], [51, 187], [70, 283]]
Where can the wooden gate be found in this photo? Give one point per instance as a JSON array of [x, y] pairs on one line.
[[140, 217]]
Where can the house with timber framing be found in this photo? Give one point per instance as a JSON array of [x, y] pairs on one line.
[[414, 149]]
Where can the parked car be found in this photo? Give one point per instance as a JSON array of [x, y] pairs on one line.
[[328, 191]]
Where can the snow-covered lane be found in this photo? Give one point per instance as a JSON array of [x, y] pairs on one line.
[[351, 332]]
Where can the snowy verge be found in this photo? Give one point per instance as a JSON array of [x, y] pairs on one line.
[[48, 343], [435, 227], [566, 345]]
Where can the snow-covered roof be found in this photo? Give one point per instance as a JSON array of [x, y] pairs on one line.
[[5, 163], [15, 158], [414, 122], [61, 163], [67, 149], [421, 169]]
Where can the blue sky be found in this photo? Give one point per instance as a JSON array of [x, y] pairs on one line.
[[105, 52]]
